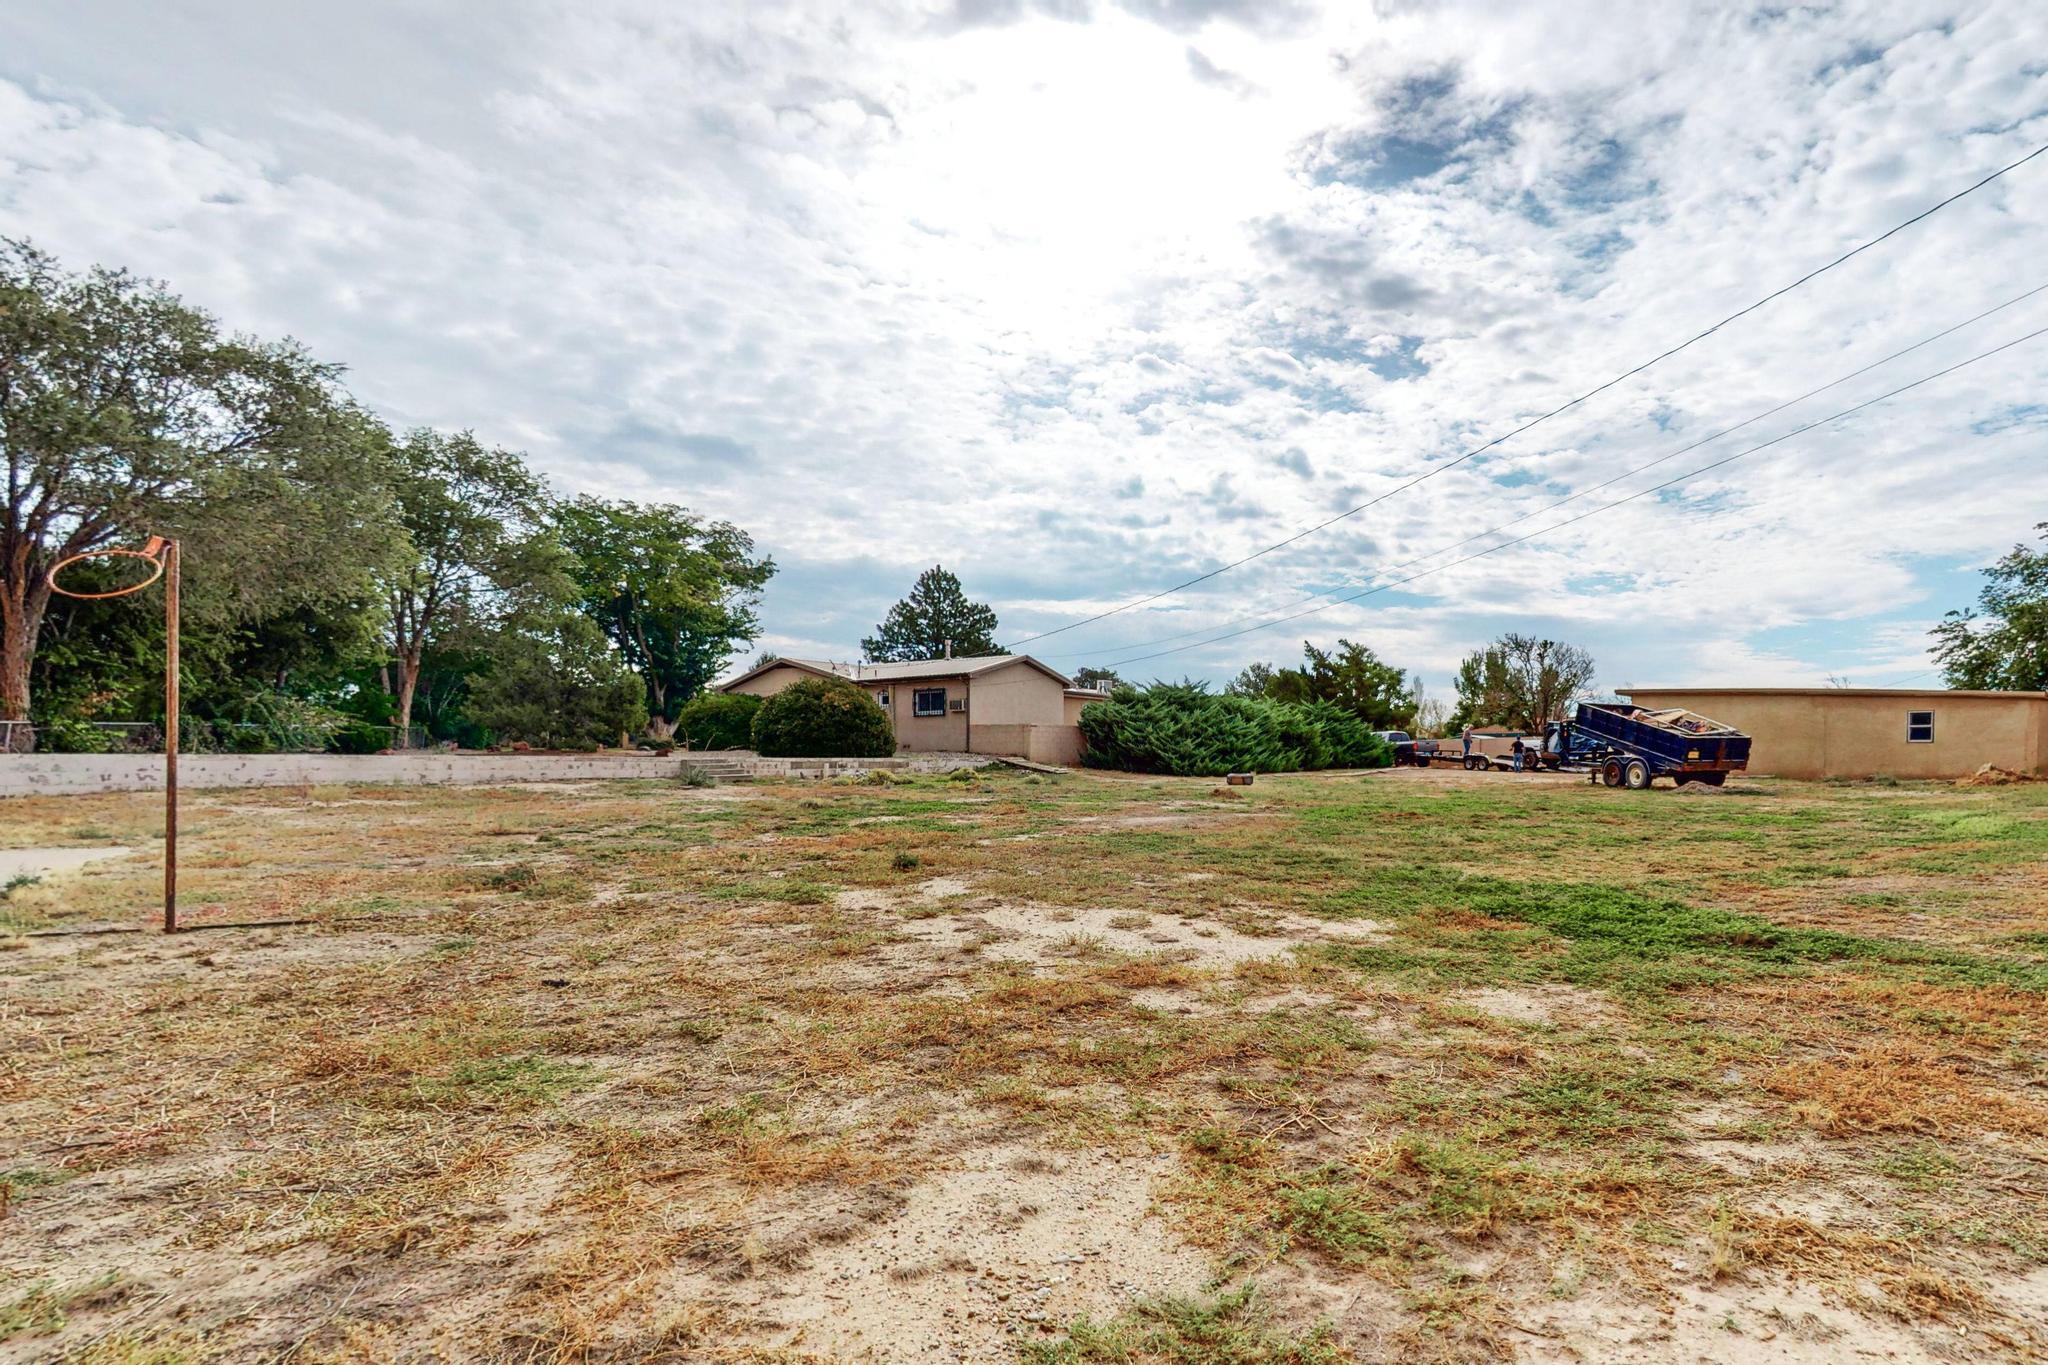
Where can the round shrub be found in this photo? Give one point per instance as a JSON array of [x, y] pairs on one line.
[[718, 720], [823, 718]]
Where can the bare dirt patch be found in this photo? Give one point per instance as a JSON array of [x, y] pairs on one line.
[[1012, 1240], [49, 862], [1546, 1005]]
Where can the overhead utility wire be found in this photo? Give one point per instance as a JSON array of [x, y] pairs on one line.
[[1604, 507], [1592, 488], [1435, 470]]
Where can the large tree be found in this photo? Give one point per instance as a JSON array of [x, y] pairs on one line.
[[935, 618], [1519, 681], [555, 681], [1255, 681], [1354, 678], [2002, 644], [126, 413], [674, 593], [479, 551]]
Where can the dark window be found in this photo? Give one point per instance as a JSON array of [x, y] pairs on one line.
[[1919, 727], [882, 697], [928, 701]]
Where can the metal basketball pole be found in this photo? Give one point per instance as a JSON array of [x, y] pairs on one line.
[[163, 554], [171, 737]]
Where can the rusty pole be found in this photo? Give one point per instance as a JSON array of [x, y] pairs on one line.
[[170, 736], [162, 555]]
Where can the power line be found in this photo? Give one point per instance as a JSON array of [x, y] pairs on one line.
[[1605, 507], [1435, 470], [1608, 483]]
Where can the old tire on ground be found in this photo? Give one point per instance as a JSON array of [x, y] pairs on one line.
[[1636, 775], [1610, 772]]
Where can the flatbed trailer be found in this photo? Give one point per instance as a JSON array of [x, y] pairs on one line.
[[1631, 746]]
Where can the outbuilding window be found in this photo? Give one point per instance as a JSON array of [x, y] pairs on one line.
[[928, 701], [883, 696], [1919, 727]]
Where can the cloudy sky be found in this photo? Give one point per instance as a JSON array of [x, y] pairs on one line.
[[1083, 298]]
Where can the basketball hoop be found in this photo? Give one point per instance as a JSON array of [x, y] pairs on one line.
[[162, 555], [153, 552]]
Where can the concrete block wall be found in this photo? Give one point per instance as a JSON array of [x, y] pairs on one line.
[[79, 774]]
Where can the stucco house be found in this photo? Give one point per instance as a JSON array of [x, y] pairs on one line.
[[1863, 731], [1008, 704]]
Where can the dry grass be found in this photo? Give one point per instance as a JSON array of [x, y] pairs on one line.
[[607, 1073]]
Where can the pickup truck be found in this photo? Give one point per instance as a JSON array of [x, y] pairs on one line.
[[1404, 746]]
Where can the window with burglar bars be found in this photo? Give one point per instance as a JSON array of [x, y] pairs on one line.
[[928, 701], [1919, 727]]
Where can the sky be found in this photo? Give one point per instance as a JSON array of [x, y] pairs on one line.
[[1084, 298]]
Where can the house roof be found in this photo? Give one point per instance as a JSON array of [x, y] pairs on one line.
[[1633, 692], [915, 670]]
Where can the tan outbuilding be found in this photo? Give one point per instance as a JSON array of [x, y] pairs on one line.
[[1812, 732], [1009, 704]]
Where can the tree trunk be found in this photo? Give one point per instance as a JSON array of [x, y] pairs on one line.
[[408, 682], [659, 726], [22, 603]]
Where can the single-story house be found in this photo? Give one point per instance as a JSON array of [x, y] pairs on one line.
[[1813, 732], [1007, 704]]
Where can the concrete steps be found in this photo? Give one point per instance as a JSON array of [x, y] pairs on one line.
[[718, 766]]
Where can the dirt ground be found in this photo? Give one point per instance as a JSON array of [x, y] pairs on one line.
[[1415, 1065]]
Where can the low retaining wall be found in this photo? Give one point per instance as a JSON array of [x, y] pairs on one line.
[[794, 769], [77, 774], [58, 774]]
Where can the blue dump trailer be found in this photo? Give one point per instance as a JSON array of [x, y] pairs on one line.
[[1631, 746]]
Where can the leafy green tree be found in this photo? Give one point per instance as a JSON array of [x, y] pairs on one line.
[[935, 616], [558, 684], [718, 720], [674, 593], [1097, 677], [2002, 645], [1519, 681], [1354, 678], [477, 551], [1255, 681], [125, 413]]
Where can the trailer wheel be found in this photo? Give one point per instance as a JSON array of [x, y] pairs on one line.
[[1636, 776], [1610, 772], [1473, 765], [1714, 779]]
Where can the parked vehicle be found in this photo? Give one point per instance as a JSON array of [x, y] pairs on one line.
[[1628, 746], [1404, 747]]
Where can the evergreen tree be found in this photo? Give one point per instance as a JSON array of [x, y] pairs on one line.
[[933, 617]]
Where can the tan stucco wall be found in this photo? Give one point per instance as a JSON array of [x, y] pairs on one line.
[[927, 734], [1859, 734], [1039, 743], [1018, 694], [773, 681], [1071, 708]]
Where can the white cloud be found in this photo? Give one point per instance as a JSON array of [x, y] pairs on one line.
[[1086, 299]]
